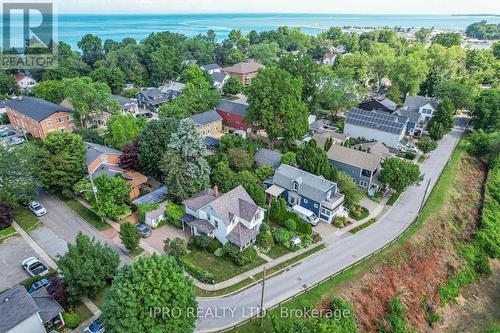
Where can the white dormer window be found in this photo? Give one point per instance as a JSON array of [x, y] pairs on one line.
[[104, 158], [295, 186]]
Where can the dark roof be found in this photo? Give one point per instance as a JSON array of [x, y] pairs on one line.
[[210, 67], [218, 76], [419, 101], [123, 101], [48, 307], [353, 157], [378, 103], [202, 225], [156, 196], [267, 157], [94, 151], [381, 121], [205, 118], [35, 108], [16, 305], [241, 235], [111, 170], [210, 142], [412, 114], [239, 109], [154, 95], [200, 200]]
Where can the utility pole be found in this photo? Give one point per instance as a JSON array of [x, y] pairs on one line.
[[262, 297], [425, 195]]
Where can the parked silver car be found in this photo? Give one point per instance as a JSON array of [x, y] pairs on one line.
[[37, 208]]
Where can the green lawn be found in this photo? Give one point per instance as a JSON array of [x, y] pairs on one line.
[[393, 198], [83, 312], [86, 214], [332, 287], [7, 232], [276, 251], [99, 298], [135, 253], [26, 219], [222, 268]]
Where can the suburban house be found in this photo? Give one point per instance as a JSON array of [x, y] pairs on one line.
[[172, 89], [103, 159], [25, 82], [151, 98], [127, 105], [329, 58], [211, 68], [267, 157], [378, 103], [38, 117], [21, 312], [244, 71], [374, 147], [230, 217], [314, 193], [419, 110], [233, 114], [208, 123], [361, 166], [375, 125], [96, 119], [321, 125], [321, 136], [219, 79]]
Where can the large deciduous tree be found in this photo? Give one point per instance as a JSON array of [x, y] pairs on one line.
[[123, 129], [129, 236], [352, 192], [92, 49], [275, 104], [17, 173], [6, 215], [129, 159], [50, 90], [61, 161], [486, 113], [87, 266], [155, 282], [399, 174], [408, 73]]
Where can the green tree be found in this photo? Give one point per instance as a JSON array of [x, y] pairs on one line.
[[123, 129], [496, 49], [275, 104], [61, 161], [92, 49], [484, 144], [8, 84], [313, 159], [113, 76], [239, 159], [112, 195], [437, 131], [483, 30], [266, 53], [150, 283], [129, 236], [264, 172], [382, 58], [442, 120], [486, 113], [17, 173], [356, 64], [422, 35], [233, 86], [194, 99], [184, 167], [408, 73], [426, 145], [50, 90], [223, 177], [448, 39], [289, 158], [399, 174], [153, 142], [461, 94], [128, 61], [353, 193], [235, 56], [338, 94], [175, 248], [252, 186], [87, 266]]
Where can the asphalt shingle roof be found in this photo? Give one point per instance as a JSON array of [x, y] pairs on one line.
[[244, 67], [35, 108], [210, 67], [241, 235], [94, 151], [419, 101], [239, 109], [381, 121], [218, 76], [205, 118], [154, 95], [267, 157], [354, 157], [48, 307], [16, 305], [123, 101]]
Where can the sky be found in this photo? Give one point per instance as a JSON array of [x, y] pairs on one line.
[[280, 6]]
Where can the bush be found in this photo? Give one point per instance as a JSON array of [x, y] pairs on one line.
[[214, 245], [306, 240], [358, 212], [409, 155], [175, 248], [130, 236], [71, 319], [264, 227], [144, 208], [201, 242], [426, 145], [282, 236], [303, 227], [340, 222], [290, 224], [231, 250], [219, 252], [174, 213], [316, 237], [265, 239], [264, 172], [197, 272], [245, 257]]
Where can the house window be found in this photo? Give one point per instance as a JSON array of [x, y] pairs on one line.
[[49, 122], [325, 212], [295, 186], [315, 205], [60, 120], [362, 183], [366, 173], [427, 111], [104, 158], [305, 200], [294, 201], [216, 224]]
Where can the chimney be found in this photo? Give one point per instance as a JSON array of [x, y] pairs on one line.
[[216, 191]]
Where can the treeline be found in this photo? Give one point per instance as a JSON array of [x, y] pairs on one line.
[[483, 30]]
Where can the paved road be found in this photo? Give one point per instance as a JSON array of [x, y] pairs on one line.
[[219, 313], [13, 251], [67, 224]]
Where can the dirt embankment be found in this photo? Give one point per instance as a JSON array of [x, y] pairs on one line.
[[415, 271]]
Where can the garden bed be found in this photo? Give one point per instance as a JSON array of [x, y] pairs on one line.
[[359, 212], [363, 226]]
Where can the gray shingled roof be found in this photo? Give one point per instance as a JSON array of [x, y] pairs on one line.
[[381, 121], [411, 113], [241, 235], [354, 157], [202, 225], [153, 214], [200, 200], [154, 95], [205, 118], [310, 186], [210, 67], [123, 101], [111, 170], [267, 157], [156, 196], [218, 76], [239, 109], [419, 101], [236, 202], [48, 307], [35, 108], [244, 67], [94, 151], [16, 305]]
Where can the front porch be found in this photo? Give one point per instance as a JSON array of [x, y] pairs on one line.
[[273, 192], [196, 226]]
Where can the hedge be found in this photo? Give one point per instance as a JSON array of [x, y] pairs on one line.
[[197, 272], [71, 319]]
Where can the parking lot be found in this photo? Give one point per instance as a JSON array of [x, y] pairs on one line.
[[9, 136], [13, 251]]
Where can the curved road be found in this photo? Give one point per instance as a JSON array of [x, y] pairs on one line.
[[216, 314]]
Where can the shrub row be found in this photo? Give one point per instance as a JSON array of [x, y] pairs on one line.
[[197, 272]]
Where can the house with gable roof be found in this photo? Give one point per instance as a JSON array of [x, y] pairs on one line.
[[230, 217], [314, 193], [245, 71], [419, 110]]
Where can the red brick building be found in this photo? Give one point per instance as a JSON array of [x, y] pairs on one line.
[[39, 117], [244, 71], [233, 114]]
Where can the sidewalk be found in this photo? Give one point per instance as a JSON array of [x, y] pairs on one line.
[[252, 272]]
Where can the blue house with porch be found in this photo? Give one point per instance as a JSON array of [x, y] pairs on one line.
[[314, 193]]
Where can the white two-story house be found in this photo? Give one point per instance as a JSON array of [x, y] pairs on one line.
[[230, 217], [419, 110]]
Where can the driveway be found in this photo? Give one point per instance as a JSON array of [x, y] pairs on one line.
[[49, 241], [337, 256], [66, 224], [13, 251], [162, 233]]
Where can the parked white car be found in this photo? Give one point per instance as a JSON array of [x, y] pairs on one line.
[[37, 208], [16, 140], [305, 215], [34, 267]]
